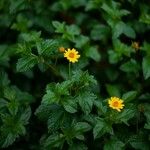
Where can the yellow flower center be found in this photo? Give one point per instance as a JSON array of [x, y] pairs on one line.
[[71, 55], [115, 104]]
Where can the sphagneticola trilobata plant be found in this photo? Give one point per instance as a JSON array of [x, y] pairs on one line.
[[74, 75]]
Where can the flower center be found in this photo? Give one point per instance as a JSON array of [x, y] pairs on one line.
[[71, 55], [115, 104]]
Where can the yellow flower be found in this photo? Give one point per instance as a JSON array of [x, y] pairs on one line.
[[61, 49], [116, 103], [135, 45], [72, 55]]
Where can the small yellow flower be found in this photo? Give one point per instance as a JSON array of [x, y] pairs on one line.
[[61, 49], [116, 103], [135, 45], [72, 55]]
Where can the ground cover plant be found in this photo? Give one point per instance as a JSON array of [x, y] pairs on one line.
[[74, 74]]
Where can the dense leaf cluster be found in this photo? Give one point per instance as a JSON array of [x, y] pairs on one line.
[[46, 105]]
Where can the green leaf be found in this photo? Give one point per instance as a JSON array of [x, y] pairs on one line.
[[114, 57], [130, 66], [114, 144], [145, 18], [4, 81], [126, 114], [83, 79], [129, 96], [9, 140], [146, 108], [15, 5], [4, 55], [73, 30], [86, 100], [47, 47], [10, 93], [11, 129], [60, 27], [100, 32], [102, 109], [44, 110], [13, 106], [101, 127], [113, 90], [31, 37], [112, 9], [25, 63], [50, 97], [78, 146], [139, 142], [56, 92], [146, 47], [122, 48], [58, 118], [25, 116], [81, 127], [122, 28], [70, 105], [92, 52], [54, 140], [55, 119], [81, 41], [146, 67], [3, 103]]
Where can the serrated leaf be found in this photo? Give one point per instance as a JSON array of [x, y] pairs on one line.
[[146, 67], [145, 18], [3, 103], [44, 111], [10, 94], [54, 140], [73, 29], [114, 57], [120, 28], [113, 90], [81, 127], [4, 81], [58, 118], [129, 96], [86, 100], [31, 37], [9, 140], [81, 41], [100, 32], [60, 27], [101, 127], [130, 66], [13, 106], [93, 53], [25, 116], [55, 119], [26, 63], [126, 114], [114, 144], [47, 47], [55, 92], [70, 105], [139, 142]]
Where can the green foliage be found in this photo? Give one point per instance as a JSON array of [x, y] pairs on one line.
[[48, 103]]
